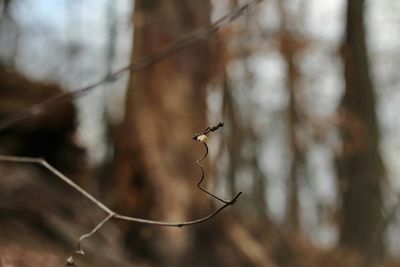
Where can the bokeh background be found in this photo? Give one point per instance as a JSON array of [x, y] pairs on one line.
[[308, 93]]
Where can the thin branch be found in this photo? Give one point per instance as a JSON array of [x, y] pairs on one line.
[[202, 179], [180, 224], [110, 213], [70, 260], [99, 204], [202, 138], [94, 230], [148, 61], [60, 175]]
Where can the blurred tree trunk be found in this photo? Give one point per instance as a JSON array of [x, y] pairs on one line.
[[235, 136], [239, 109], [241, 137], [360, 167], [165, 106], [297, 154], [289, 47]]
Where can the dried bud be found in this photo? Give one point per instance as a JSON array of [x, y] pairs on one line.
[[202, 138], [70, 261]]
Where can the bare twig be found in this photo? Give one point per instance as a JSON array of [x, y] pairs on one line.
[[59, 174], [148, 61], [94, 230], [110, 213], [180, 224], [202, 179], [202, 138], [70, 260]]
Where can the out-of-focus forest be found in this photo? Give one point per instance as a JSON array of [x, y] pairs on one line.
[[110, 93]]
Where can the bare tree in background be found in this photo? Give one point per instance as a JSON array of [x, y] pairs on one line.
[[243, 141], [165, 105], [360, 167], [290, 46]]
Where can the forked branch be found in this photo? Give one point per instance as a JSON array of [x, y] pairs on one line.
[[112, 214]]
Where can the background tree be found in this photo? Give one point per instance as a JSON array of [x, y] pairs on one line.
[[360, 167], [165, 104]]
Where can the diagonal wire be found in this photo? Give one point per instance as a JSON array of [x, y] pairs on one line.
[[147, 61]]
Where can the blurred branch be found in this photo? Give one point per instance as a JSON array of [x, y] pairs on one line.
[[289, 49], [112, 214], [148, 61], [249, 246]]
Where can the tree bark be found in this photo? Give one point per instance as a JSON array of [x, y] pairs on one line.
[[360, 167], [165, 106]]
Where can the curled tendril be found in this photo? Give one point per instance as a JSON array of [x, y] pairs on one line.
[[70, 260], [201, 138]]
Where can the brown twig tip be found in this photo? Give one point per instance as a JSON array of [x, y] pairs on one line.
[[213, 128], [203, 136], [235, 198]]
